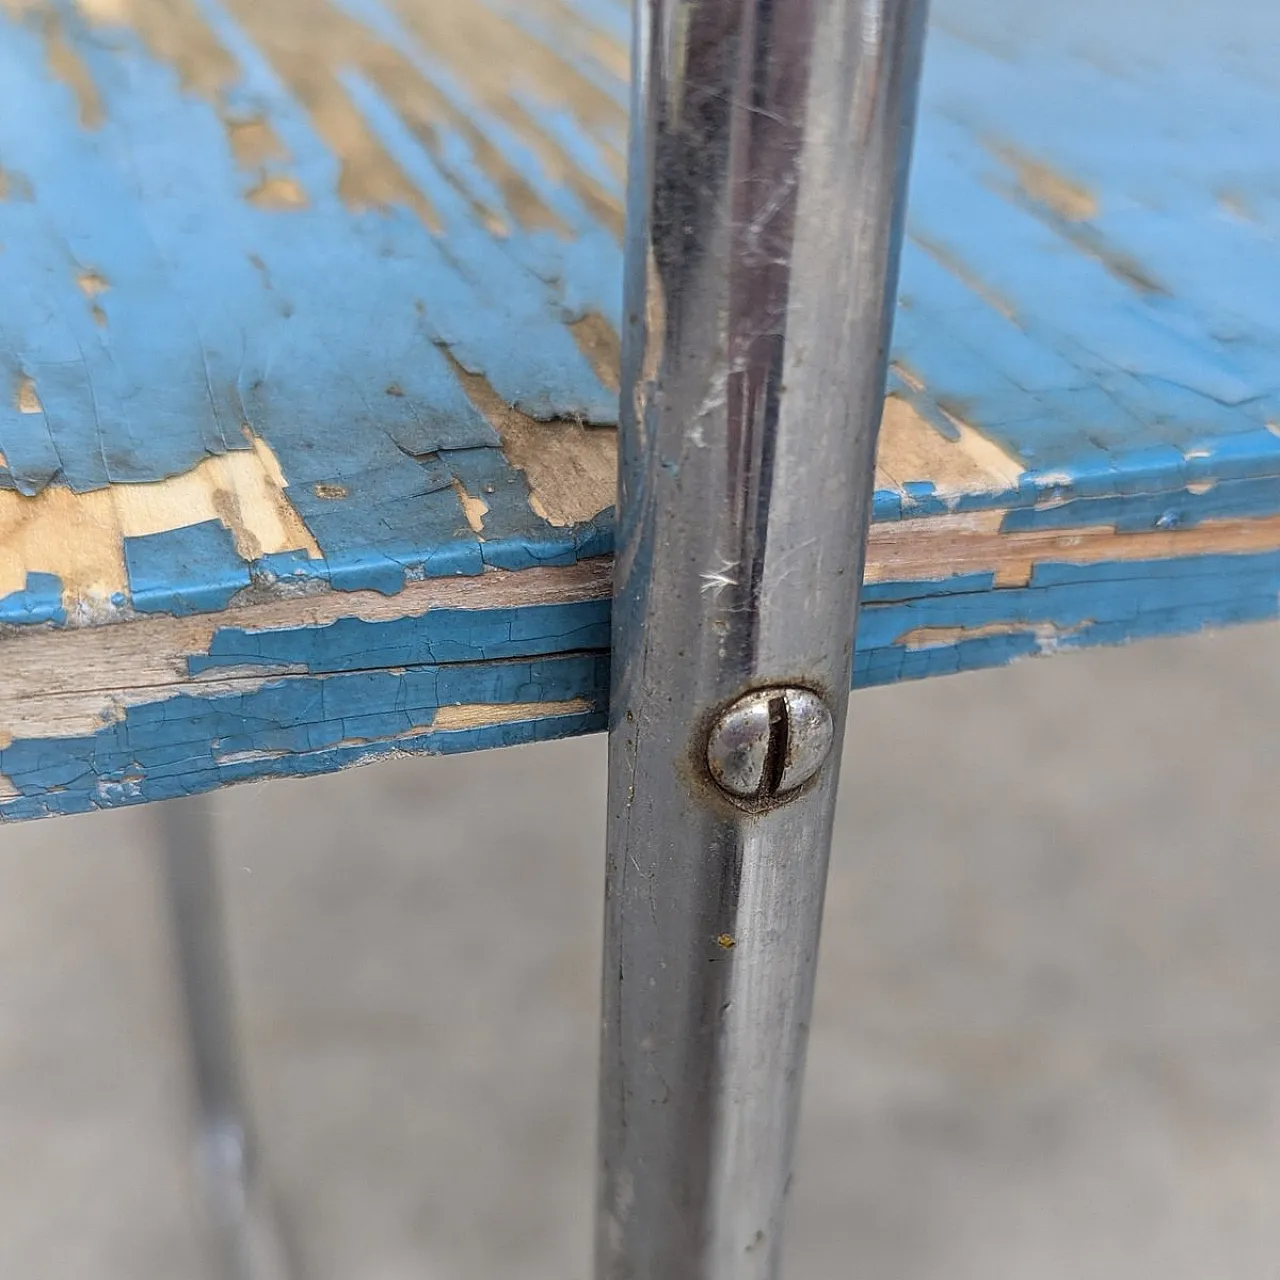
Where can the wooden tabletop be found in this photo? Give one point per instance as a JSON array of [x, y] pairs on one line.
[[308, 319]]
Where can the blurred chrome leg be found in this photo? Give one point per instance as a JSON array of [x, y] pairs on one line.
[[770, 141], [245, 1230]]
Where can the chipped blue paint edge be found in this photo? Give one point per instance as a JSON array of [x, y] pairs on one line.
[[317, 708], [40, 600], [435, 637], [192, 742], [209, 775], [1123, 399], [1064, 607], [195, 569]]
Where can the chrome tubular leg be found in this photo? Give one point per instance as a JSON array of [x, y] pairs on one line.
[[246, 1236], [769, 148]]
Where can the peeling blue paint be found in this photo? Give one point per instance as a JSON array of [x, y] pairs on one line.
[[320, 330], [1142, 512], [200, 774], [291, 567], [876, 593], [1123, 352], [322, 697], [1126, 348], [1064, 606], [39, 601], [189, 570], [189, 743], [437, 636]]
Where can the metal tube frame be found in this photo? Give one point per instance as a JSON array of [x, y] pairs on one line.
[[770, 141], [245, 1232]]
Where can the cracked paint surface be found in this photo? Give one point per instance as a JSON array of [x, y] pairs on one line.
[[295, 701], [188, 743], [304, 243], [351, 228], [321, 296]]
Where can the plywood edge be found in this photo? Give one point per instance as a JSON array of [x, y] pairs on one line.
[[68, 751], [456, 619]]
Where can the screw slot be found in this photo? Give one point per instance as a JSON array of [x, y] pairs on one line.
[[768, 743]]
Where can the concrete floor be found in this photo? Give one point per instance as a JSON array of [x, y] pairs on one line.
[[1047, 1043]]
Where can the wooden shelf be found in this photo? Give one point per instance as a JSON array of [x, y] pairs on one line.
[[308, 315]]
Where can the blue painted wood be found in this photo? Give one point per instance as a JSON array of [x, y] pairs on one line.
[[1137, 347], [291, 728], [334, 227], [187, 570], [338, 714]]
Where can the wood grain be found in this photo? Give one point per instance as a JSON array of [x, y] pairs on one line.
[[309, 368]]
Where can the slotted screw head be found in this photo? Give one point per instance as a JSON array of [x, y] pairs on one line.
[[769, 742]]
